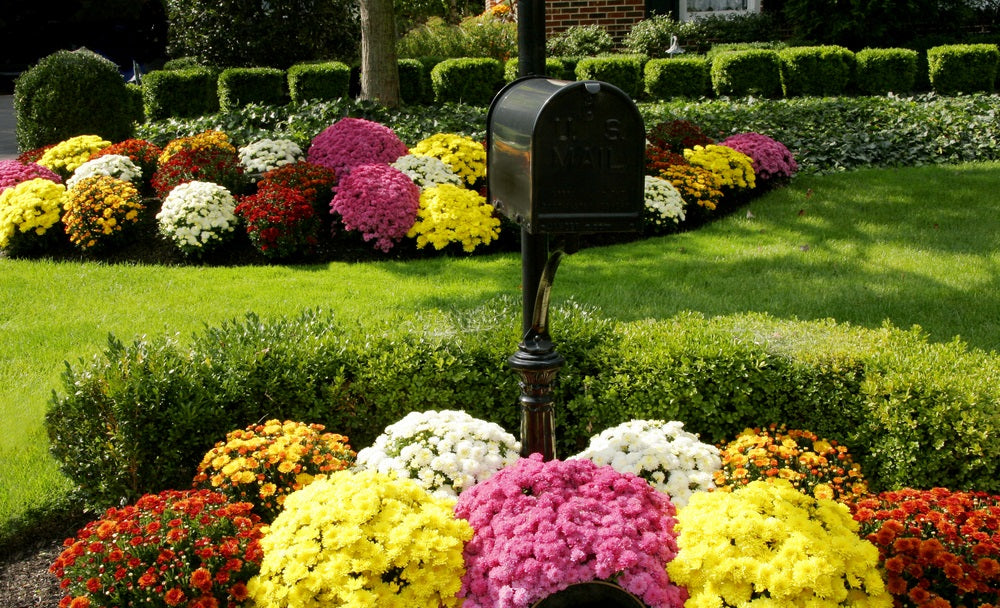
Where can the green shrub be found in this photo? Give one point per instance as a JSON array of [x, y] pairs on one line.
[[741, 73], [581, 40], [913, 413], [679, 77], [70, 93], [241, 86], [963, 68], [880, 71], [180, 93], [471, 80], [652, 36], [815, 70], [435, 38], [182, 63], [554, 68], [701, 33], [487, 36], [414, 82], [277, 33], [327, 80], [623, 71]]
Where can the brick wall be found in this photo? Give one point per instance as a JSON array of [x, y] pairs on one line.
[[616, 16]]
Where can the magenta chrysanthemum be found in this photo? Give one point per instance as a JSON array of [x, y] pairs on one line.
[[543, 526], [350, 142], [379, 201], [13, 172], [771, 159]]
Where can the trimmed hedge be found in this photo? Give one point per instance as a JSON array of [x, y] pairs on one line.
[[321, 81], [242, 86], [680, 77], [963, 68], [815, 70], [554, 68], [183, 93], [754, 72], [471, 80], [140, 417], [881, 71], [622, 71]]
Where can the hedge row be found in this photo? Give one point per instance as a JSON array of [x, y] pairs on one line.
[[139, 417]]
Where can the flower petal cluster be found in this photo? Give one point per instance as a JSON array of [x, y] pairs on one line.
[[99, 207], [266, 154], [205, 164], [427, 171], [13, 172], [67, 155], [813, 465], [677, 135], [734, 169], [939, 548], [445, 452], [190, 549], [197, 216], [452, 214], [315, 182], [264, 463], [351, 142], [32, 156], [673, 460], [143, 153], [465, 156], [767, 544], [113, 165], [543, 526], [362, 539], [379, 201], [209, 138], [771, 159], [280, 222], [30, 207], [697, 186], [658, 159], [664, 206]]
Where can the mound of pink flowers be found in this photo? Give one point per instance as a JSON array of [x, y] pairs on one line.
[[379, 201], [351, 142], [771, 158], [13, 172], [543, 526]]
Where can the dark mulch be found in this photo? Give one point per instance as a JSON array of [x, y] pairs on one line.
[[25, 581]]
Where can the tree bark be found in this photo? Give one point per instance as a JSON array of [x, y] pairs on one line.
[[379, 70]]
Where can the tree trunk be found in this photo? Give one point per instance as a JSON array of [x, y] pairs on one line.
[[379, 70]]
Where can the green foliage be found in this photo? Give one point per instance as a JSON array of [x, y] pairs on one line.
[[488, 36], [480, 36], [880, 71], [414, 82], [963, 68], [70, 93], [471, 80], [246, 33], [434, 38], [652, 36], [554, 68], [816, 70], [700, 34], [623, 71], [183, 93], [326, 80], [678, 77], [913, 413], [581, 41], [241, 86], [182, 63], [752, 72]]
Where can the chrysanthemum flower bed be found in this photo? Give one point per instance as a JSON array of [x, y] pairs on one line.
[[359, 190], [441, 511]]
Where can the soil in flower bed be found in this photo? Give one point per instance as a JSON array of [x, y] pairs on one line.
[[25, 581]]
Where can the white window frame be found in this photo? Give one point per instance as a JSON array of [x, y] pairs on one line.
[[753, 6]]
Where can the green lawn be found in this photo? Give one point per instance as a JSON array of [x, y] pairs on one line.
[[908, 246]]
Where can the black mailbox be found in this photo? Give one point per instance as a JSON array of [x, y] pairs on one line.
[[566, 157]]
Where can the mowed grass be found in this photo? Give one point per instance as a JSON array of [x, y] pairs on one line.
[[909, 246]]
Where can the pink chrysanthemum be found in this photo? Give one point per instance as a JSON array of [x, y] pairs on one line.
[[771, 159], [379, 201], [13, 172], [543, 526], [350, 142]]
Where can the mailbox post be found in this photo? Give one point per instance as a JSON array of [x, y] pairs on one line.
[[564, 158]]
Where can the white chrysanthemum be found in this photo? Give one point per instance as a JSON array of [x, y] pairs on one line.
[[197, 214], [444, 451], [671, 459], [267, 154], [113, 165], [663, 201], [427, 171]]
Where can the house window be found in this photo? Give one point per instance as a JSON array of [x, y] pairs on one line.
[[696, 9]]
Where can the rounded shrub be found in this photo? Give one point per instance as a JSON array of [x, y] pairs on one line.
[[71, 93], [652, 36], [581, 40]]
